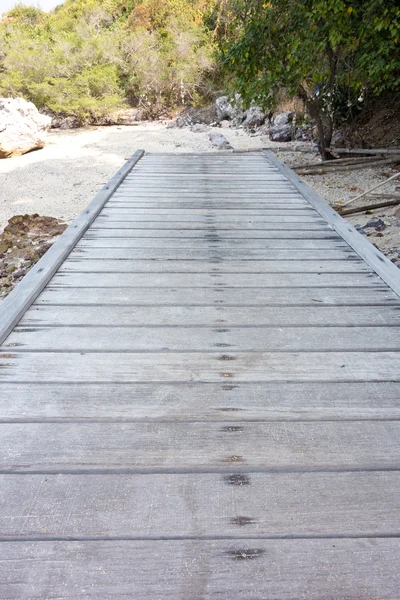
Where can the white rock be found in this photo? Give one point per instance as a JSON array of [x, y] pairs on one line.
[[282, 119], [22, 127], [230, 109], [220, 141]]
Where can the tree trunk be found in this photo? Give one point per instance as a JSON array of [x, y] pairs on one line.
[[324, 134]]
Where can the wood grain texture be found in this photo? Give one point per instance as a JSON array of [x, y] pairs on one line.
[[204, 402], [212, 242], [101, 261], [204, 339], [137, 506], [199, 401], [217, 316], [182, 570], [213, 280], [122, 296], [186, 366], [159, 447]]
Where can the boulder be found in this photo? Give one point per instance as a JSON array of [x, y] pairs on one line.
[[22, 127], [281, 128], [254, 117], [282, 119], [281, 133], [64, 123], [220, 141], [230, 109]]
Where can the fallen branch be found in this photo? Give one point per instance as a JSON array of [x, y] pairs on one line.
[[364, 151], [372, 189], [317, 170], [338, 161], [353, 211]]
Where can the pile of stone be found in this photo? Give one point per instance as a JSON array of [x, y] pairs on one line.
[[24, 240]]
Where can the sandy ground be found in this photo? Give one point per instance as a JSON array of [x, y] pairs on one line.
[[61, 179]]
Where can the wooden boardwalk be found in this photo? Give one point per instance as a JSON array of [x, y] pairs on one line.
[[200, 397]]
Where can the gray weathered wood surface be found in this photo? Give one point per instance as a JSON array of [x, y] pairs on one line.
[[204, 399]]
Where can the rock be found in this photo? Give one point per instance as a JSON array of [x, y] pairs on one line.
[[230, 109], [283, 133], [25, 239], [281, 128], [254, 117], [376, 224], [191, 116], [338, 139], [220, 141], [225, 124], [22, 127], [64, 123], [199, 128], [282, 119]]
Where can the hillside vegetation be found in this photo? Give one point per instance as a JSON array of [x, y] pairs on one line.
[[89, 57]]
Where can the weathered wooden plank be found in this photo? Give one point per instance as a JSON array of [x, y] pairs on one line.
[[212, 242], [102, 260], [241, 280], [173, 447], [181, 569], [194, 366], [117, 210], [199, 401], [205, 338], [215, 256], [15, 305], [201, 226], [112, 214], [280, 504], [294, 233], [294, 316], [120, 296], [278, 202]]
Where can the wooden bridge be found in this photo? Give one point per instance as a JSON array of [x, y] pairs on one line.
[[200, 396]]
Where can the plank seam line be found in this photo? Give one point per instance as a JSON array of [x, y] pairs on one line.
[[210, 421], [205, 350], [26, 292], [370, 286], [165, 538], [387, 304], [237, 384], [34, 324], [382, 266], [225, 470]]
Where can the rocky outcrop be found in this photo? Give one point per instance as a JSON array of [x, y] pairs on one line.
[[254, 117], [25, 239], [281, 128], [207, 115], [22, 127], [230, 109]]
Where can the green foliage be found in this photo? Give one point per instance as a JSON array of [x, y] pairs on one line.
[[89, 57], [328, 52]]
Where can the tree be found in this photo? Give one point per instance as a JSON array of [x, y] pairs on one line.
[[326, 52]]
